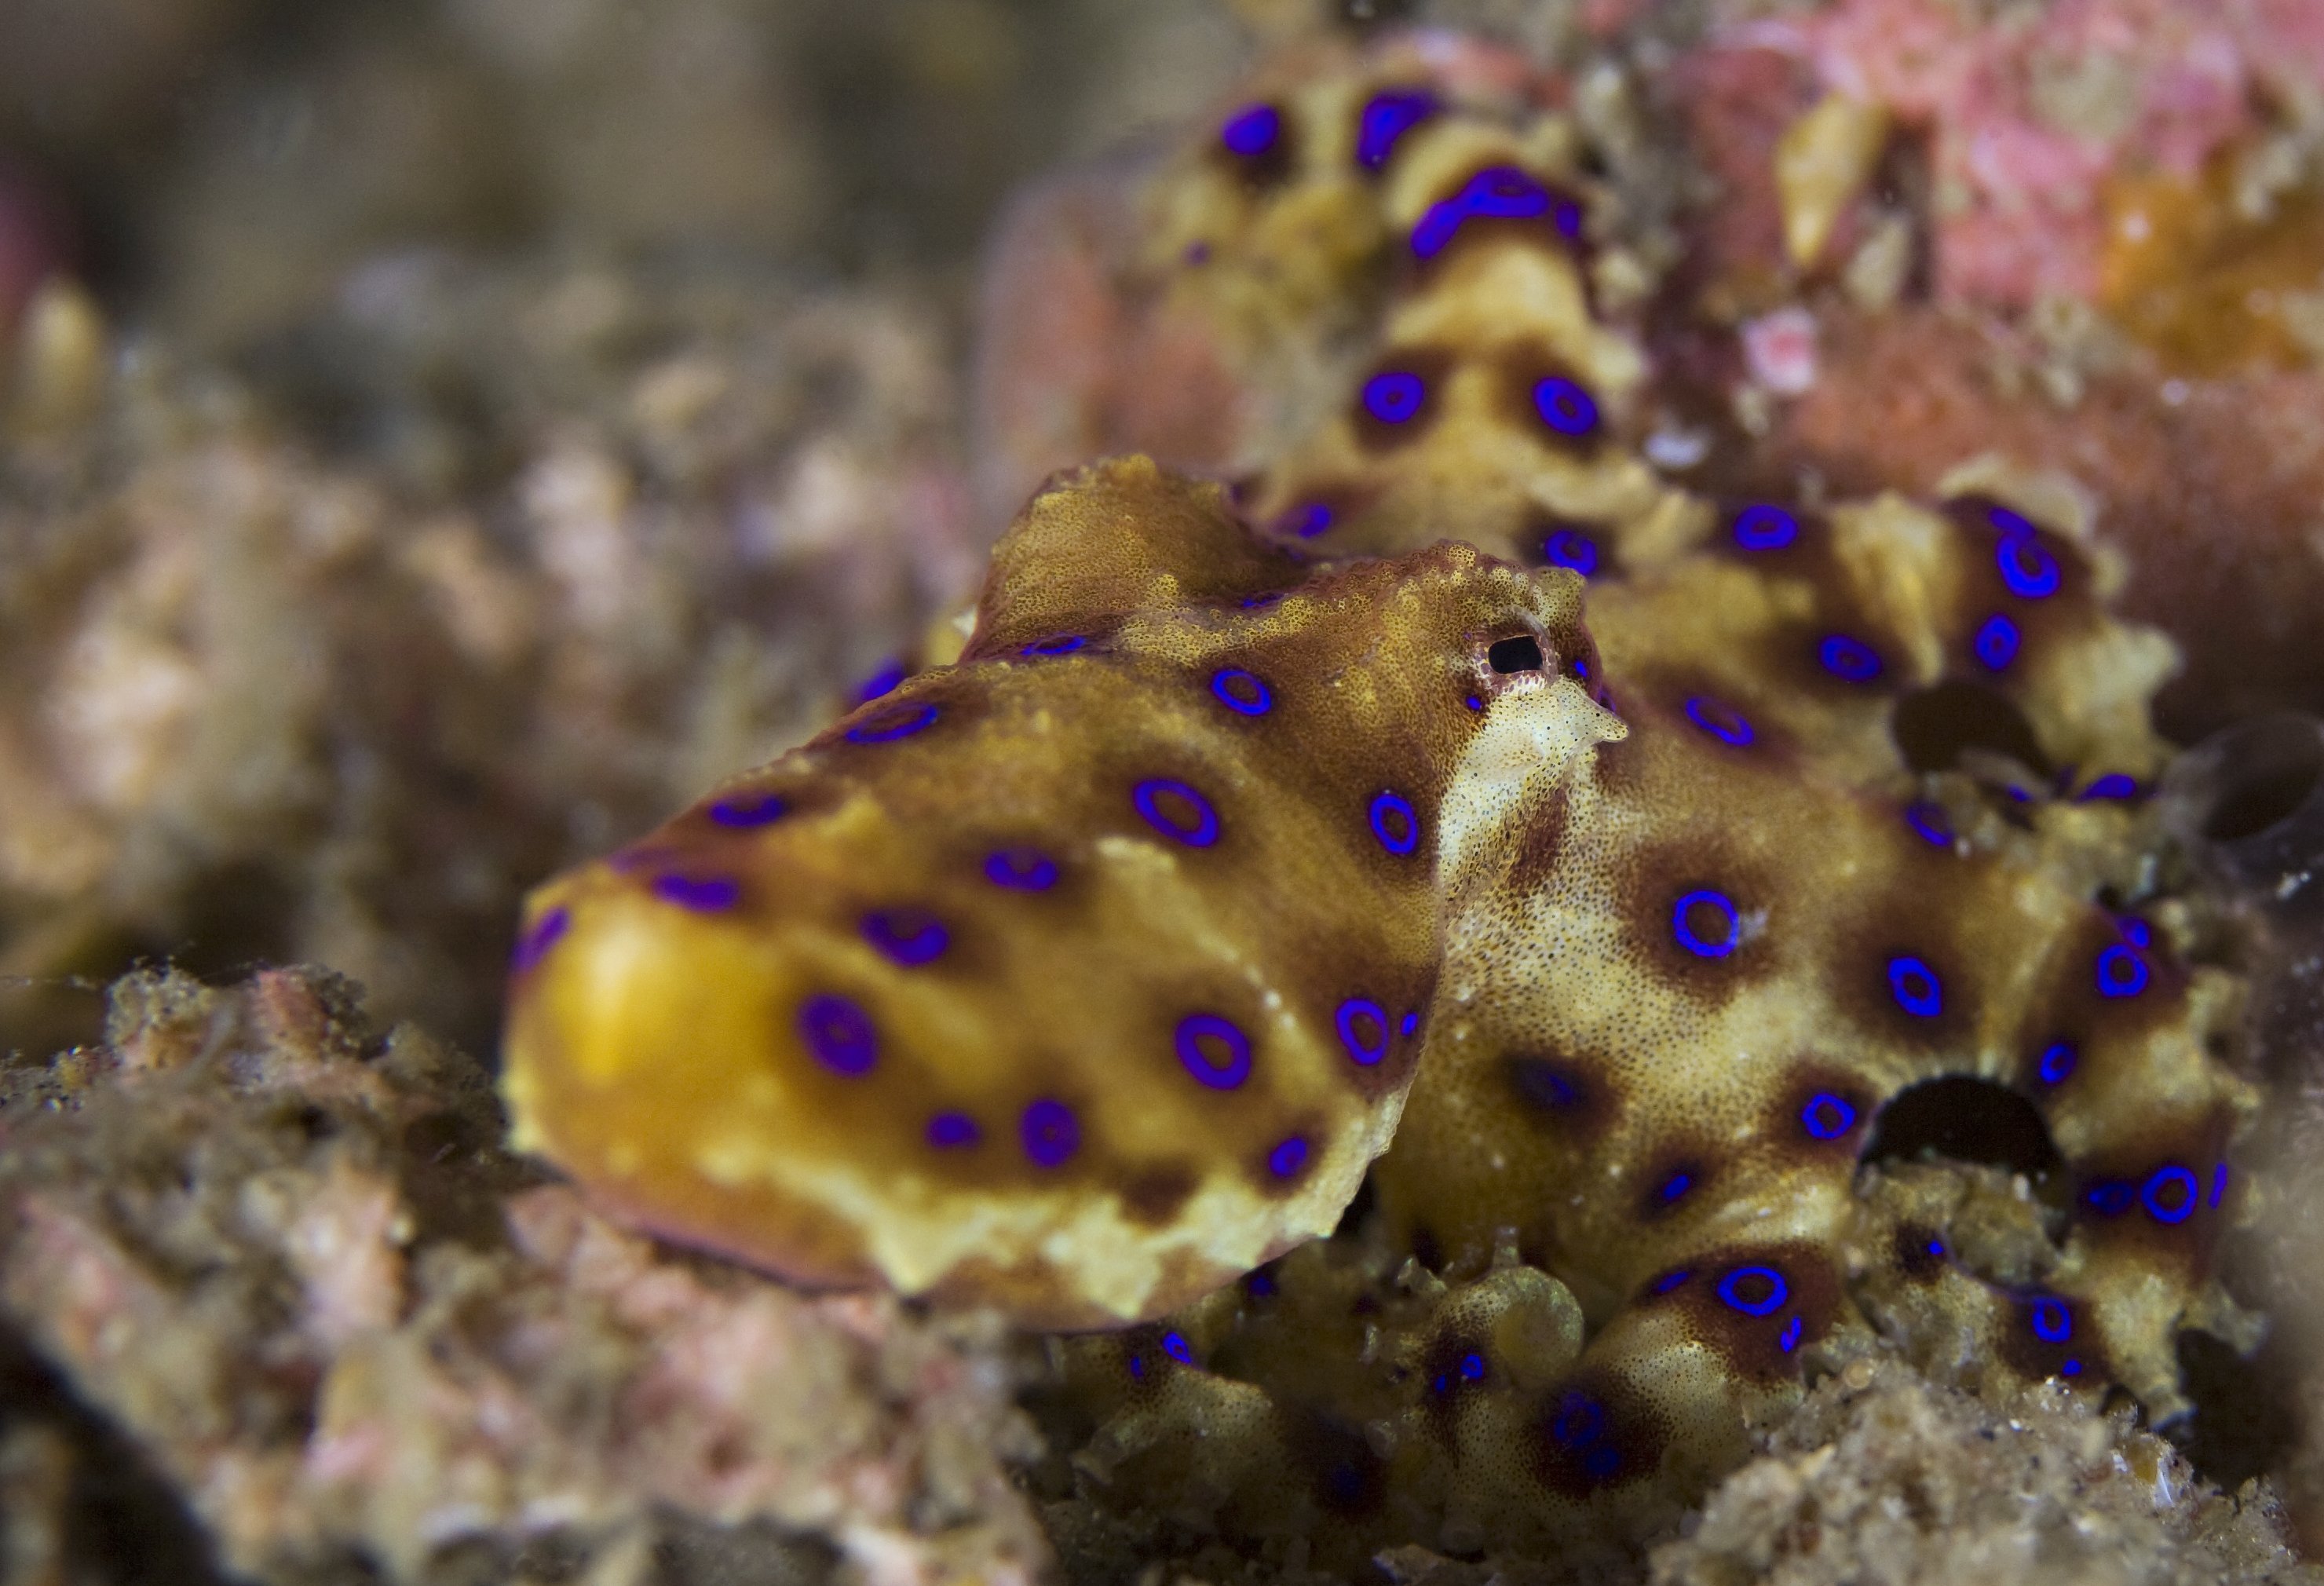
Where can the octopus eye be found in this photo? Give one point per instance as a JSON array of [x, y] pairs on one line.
[[1520, 654]]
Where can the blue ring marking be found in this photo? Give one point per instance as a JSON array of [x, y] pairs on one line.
[[881, 682], [1251, 132], [1056, 644], [1925, 1000], [747, 811], [1394, 396], [1384, 120], [2028, 570], [2110, 1198], [1790, 1340], [2163, 1178], [1409, 1023], [1264, 598], [1305, 521], [1827, 1117], [1474, 703], [838, 1035], [1542, 1085], [2070, 1369], [1935, 1246], [1049, 1132], [2113, 785], [1288, 1157], [1995, 644], [1670, 1280], [2052, 1322], [1175, 1345], [1138, 1367], [1579, 1422], [1193, 1031], [2121, 972], [1258, 1285], [1364, 1052], [1472, 1367], [2218, 1184], [1244, 693], [1499, 193], [1931, 822], [2058, 1060], [533, 946], [1730, 1291], [704, 895], [1021, 870], [1602, 1462], [1720, 720], [1566, 405], [2134, 930], [1851, 661], [1389, 810], [908, 938], [1200, 833], [1674, 1188], [1705, 946], [1570, 548], [1763, 527], [889, 726], [950, 1130]]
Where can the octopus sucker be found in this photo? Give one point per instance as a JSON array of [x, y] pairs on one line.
[[1271, 839]]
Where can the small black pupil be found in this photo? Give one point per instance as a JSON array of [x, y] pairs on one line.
[[1521, 654]]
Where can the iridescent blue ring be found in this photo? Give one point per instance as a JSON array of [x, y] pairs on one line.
[[1915, 986], [1720, 720], [1365, 1049], [1995, 644], [1670, 1280], [1674, 1187], [1762, 526], [2110, 1198], [1175, 1345], [908, 937], [839, 1035], [2028, 570], [1056, 644], [1827, 1117], [1931, 822], [1243, 692], [1851, 661], [2058, 1060], [1021, 870], [1304, 522], [1497, 192], [2150, 1195], [1251, 132], [1288, 1157], [2113, 785], [887, 726], [1713, 946], [702, 894], [1570, 548], [950, 1130], [533, 946], [1395, 822], [1196, 1032], [1730, 1291], [2121, 972], [1790, 1340], [1394, 396], [1580, 1421], [2052, 1322], [1200, 831], [1048, 1132], [1385, 119], [746, 810], [1566, 405]]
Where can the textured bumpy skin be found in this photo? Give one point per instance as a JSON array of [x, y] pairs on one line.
[[1080, 977], [1869, 841], [1878, 827]]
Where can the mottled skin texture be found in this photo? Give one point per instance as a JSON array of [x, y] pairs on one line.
[[1871, 819], [1080, 977]]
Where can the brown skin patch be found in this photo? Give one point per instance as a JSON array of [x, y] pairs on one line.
[[1671, 894], [1895, 959], [2048, 1335], [1571, 1100], [1455, 1366], [1758, 1306], [1153, 1196], [1677, 1181], [1594, 1431], [1540, 842], [1383, 394], [1918, 1253], [2131, 1194], [1346, 1477]]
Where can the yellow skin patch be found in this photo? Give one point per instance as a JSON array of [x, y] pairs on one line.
[[1861, 821], [1080, 977]]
